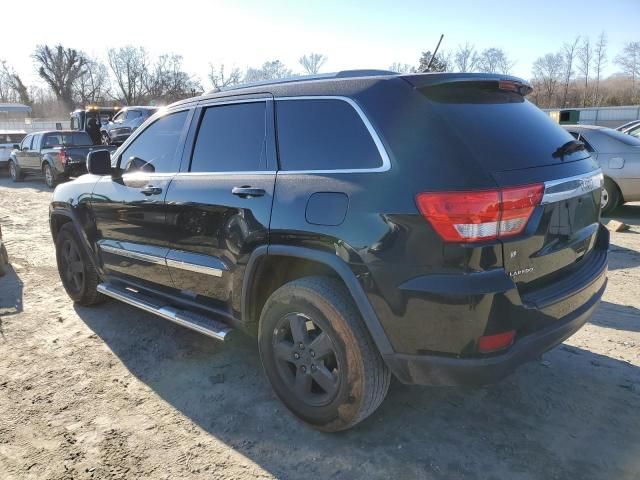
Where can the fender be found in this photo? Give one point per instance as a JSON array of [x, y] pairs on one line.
[[339, 266], [65, 210]]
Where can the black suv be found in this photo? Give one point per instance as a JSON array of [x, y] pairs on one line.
[[437, 227]]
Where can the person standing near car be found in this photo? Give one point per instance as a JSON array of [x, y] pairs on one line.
[[93, 130]]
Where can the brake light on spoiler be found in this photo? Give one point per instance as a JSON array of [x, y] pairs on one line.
[[481, 215]]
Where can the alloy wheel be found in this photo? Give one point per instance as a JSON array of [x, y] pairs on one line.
[[72, 266], [604, 198], [48, 175], [306, 359]]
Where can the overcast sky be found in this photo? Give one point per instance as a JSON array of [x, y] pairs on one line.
[[365, 34]]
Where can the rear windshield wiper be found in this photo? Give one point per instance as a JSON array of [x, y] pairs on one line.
[[572, 146]]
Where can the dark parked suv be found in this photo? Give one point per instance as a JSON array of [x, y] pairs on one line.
[[437, 227]]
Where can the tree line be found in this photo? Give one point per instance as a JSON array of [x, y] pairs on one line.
[[572, 76]]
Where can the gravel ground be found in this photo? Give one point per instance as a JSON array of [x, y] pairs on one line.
[[114, 393]]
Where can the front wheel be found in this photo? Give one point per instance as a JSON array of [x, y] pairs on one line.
[[14, 171], [78, 275], [105, 139], [318, 355], [610, 196]]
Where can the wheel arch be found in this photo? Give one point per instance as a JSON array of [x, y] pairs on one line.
[[617, 185], [300, 262], [61, 216]]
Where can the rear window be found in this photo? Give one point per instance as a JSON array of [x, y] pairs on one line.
[[11, 137], [69, 139], [324, 134], [622, 137], [503, 130]]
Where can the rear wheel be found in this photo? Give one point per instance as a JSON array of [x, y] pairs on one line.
[[77, 273], [50, 176], [14, 171], [319, 356], [610, 197]]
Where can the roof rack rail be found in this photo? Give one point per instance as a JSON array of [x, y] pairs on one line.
[[308, 78]]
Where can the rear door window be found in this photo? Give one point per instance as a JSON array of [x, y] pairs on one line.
[[231, 138], [323, 134]]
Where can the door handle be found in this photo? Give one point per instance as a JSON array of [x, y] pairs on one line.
[[151, 190], [248, 192]]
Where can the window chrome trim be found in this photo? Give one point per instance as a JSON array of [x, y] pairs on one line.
[[145, 257], [565, 188], [237, 172], [192, 267], [386, 162]]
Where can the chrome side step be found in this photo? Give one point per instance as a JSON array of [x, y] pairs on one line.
[[200, 323]]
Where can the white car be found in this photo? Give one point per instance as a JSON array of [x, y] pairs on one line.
[[619, 157], [9, 140]]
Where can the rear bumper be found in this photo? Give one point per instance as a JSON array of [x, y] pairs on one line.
[[443, 370], [74, 169]]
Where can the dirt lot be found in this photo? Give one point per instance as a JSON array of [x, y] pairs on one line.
[[111, 392]]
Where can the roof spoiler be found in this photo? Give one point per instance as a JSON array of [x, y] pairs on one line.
[[504, 82]]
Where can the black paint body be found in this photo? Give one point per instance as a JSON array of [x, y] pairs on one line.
[[425, 302]]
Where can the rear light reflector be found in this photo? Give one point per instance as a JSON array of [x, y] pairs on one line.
[[480, 215], [62, 156], [492, 343]]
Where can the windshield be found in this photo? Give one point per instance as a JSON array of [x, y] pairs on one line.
[[502, 129], [70, 139]]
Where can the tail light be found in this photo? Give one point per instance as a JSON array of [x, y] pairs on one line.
[[62, 156], [480, 215]]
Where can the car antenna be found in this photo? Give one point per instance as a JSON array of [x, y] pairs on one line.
[[434, 54]]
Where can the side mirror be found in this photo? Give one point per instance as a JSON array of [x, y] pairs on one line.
[[99, 162], [16, 146]]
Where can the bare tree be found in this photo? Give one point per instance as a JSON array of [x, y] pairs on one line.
[[312, 63], [60, 67], [93, 85], [600, 61], [402, 67], [569, 54], [629, 60], [494, 60], [585, 59], [466, 58], [130, 68], [271, 70], [547, 74], [12, 88], [167, 82], [439, 63], [220, 79]]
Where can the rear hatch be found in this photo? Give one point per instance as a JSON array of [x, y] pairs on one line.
[[518, 144]]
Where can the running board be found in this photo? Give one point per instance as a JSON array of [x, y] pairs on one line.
[[194, 321]]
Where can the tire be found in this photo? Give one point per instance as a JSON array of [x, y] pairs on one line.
[[106, 140], [77, 273], [50, 176], [340, 385], [611, 197], [15, 172]]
